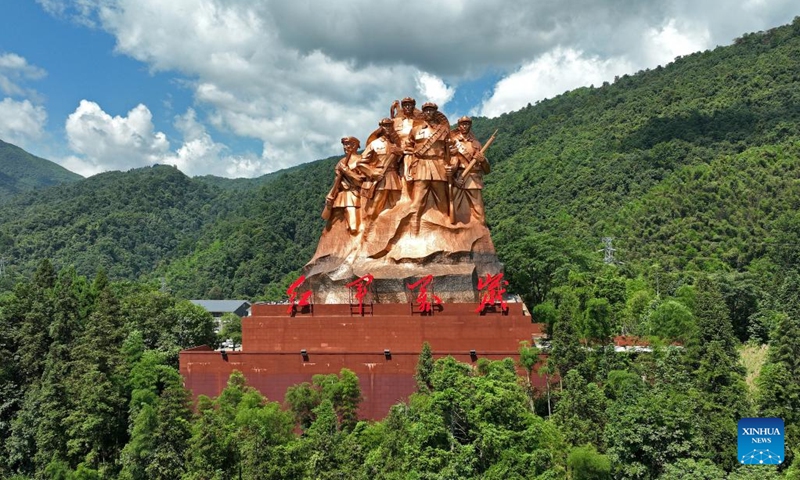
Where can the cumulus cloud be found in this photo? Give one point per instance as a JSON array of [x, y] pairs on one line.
[[661, 45], [21, 122], [299, 75], [434, 89], [102, 142], [549, 75], [200, 154], [564, 69], [22, 119]]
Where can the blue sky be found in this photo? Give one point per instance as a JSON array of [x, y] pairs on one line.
[[237, 89]]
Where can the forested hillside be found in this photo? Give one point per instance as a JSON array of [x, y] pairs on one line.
[[125, 223], [691, 168], [21, 172]]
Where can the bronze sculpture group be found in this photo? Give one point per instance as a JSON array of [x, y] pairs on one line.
[[411, 164], [408, 206]]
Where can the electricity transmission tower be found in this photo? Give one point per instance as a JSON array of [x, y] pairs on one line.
[[608, 251]]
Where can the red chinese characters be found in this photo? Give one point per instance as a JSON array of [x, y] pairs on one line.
[[493, 287], [423, 299], [292, 292], [361, 286]]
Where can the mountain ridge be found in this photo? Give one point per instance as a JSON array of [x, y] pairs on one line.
[[21, 171]]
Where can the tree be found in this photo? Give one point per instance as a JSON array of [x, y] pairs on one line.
[[581, 411], [779, 381], [172, 432], [96, 424], [597, 323], [585, 463], [672, 320], [566, 351], [649, 431], [691, 468], [230, 329], [713, 323], [424, 368]]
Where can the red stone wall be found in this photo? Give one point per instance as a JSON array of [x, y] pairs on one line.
[[272, 341]]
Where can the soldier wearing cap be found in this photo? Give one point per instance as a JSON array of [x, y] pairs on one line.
[[426, 147], [382, 159], [345, 195], [468, 198], [404, 119]]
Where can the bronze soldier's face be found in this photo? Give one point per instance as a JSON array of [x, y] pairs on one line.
[[408, 109], [464, 127], [349, 147], [428, 114]]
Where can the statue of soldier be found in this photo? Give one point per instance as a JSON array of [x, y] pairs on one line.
[[466, 151], [344, 196], [427, 147], [404, 118], [381, 159]]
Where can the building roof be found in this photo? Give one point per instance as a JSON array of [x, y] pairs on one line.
[[223, 306]]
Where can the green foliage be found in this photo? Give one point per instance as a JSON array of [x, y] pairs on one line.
[[343, 392], [125, 223], [650, 431], [424, 368], [581, 411], [585, 463], [672, 320], [690, 468], [230, 329]]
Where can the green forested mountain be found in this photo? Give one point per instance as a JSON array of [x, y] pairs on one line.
[[653, 157], [266, 238], [125, 223], [20, 172]]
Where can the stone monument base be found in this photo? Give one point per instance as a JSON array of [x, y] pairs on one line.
[[381, 346]]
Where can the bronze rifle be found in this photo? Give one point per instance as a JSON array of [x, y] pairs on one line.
[[474, 160]]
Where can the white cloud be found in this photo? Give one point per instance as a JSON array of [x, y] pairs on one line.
[[662, 45], [113, 143], [299, 75], [549, 75], [434, 89], [563, 69], [101, 142], [200, 154], [15, 71], [21, 121]]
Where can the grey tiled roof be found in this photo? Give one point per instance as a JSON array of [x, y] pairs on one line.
[[221, 305]]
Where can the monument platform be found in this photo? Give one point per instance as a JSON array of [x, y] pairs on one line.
[[381, 346]]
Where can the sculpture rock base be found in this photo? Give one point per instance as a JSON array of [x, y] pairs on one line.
[[455, 255]]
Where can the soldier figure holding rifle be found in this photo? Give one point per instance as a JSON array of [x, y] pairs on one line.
[[471, 164], [345, 194], [382, 159]]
